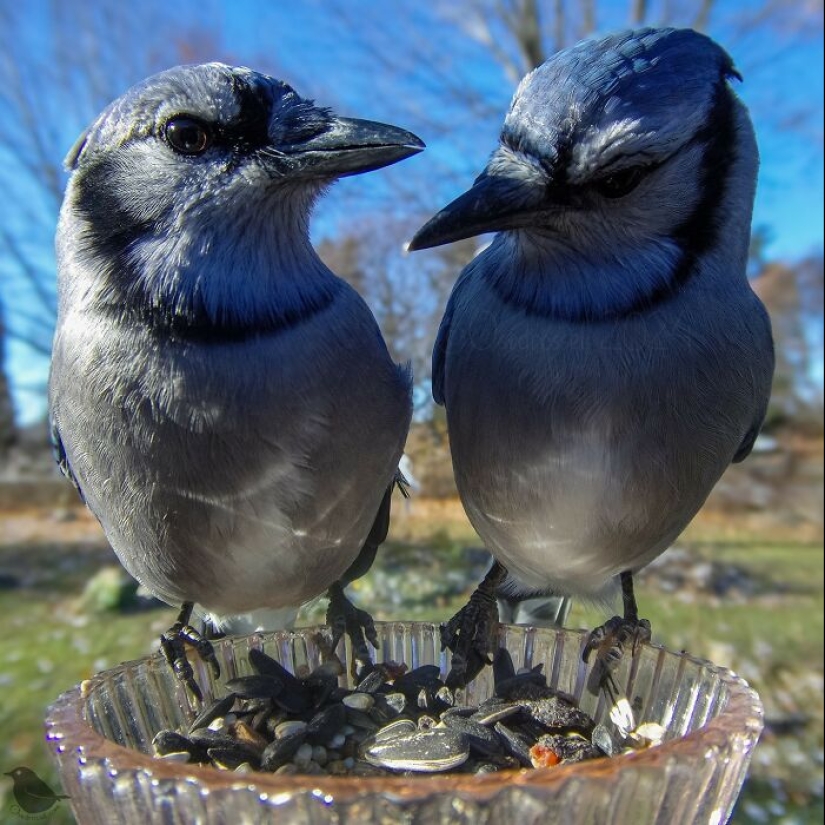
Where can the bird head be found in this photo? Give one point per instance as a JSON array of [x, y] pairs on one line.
[[199, 133], [621, 144], [20, 773], [197, 178]]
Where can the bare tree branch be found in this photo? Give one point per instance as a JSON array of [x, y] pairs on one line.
[[445, 70], [638, 12], [559, 26], [41, 289], [588, 17], [527, 33], [701, 21]]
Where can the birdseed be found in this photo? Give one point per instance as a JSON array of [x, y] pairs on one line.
[[394, 722]]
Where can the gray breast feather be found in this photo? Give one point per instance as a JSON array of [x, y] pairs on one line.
[[253, 458]]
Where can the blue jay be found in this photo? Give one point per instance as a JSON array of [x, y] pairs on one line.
[[225, 404], [604, 359]]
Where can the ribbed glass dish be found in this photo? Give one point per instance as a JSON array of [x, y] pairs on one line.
[[101, 737]]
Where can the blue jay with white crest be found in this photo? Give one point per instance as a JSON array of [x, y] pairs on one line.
[[604, 359], [225, 404]]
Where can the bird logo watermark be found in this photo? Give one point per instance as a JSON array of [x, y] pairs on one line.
[[33, 798]]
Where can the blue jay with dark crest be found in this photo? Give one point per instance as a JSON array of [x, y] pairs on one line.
[[225, 404], [604, 359]]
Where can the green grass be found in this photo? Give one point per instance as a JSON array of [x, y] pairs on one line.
[[788, 615], [51, 645], [774, 638], [775, 641]]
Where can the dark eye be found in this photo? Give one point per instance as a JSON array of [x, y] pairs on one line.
[[188, 136], [620, 183]]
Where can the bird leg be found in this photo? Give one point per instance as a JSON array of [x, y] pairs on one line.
[[469, 633], [344, 617], [613, 637], [173, 644]]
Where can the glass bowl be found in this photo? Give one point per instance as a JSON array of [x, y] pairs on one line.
[[101, 735]]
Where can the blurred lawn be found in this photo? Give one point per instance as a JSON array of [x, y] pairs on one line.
[[773, 637]]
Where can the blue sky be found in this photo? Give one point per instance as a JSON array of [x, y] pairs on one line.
[[790, 193], [312, 47]]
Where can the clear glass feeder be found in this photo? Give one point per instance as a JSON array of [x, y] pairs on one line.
[[102, 740]]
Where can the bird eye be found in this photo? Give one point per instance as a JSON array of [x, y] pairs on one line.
[[188, 136], [619, 183]]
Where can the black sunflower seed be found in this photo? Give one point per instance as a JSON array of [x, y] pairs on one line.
[[256, 686], [231, 756], [371, 682], [482, 739], [170, 741], [280, 751], [326, 724], [411, 683], [393, 722], [220, 707], [515, 744]]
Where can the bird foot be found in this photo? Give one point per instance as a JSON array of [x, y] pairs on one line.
[[173, 644], [610, 641], [469, 634], [344, 617]]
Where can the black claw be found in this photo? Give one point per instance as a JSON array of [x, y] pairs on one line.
[[175, 653], [613, 638], [463, 671], [369, 628], [344, 617], [469, 634], [173, 644], [203, 647]]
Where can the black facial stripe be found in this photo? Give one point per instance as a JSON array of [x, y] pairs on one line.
[[109, 228], [110, 231], [250, 129], [562, 161], [700, 231], [557, 168]]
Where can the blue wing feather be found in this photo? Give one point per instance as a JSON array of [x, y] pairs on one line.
[[442, 340], [60, 457], [750, 437]]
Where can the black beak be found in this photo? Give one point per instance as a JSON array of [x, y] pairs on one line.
[[493, 203], [347, 146]]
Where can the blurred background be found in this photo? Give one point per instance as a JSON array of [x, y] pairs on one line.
[[743, 587]]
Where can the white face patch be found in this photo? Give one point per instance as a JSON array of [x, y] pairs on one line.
[[610, 145], [600, 149], [605, 105], [513, 164]]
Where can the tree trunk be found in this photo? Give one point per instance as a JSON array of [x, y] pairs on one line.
[[7, 431]]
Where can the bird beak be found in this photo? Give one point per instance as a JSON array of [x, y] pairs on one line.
[[349, 147], [493, 203]]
